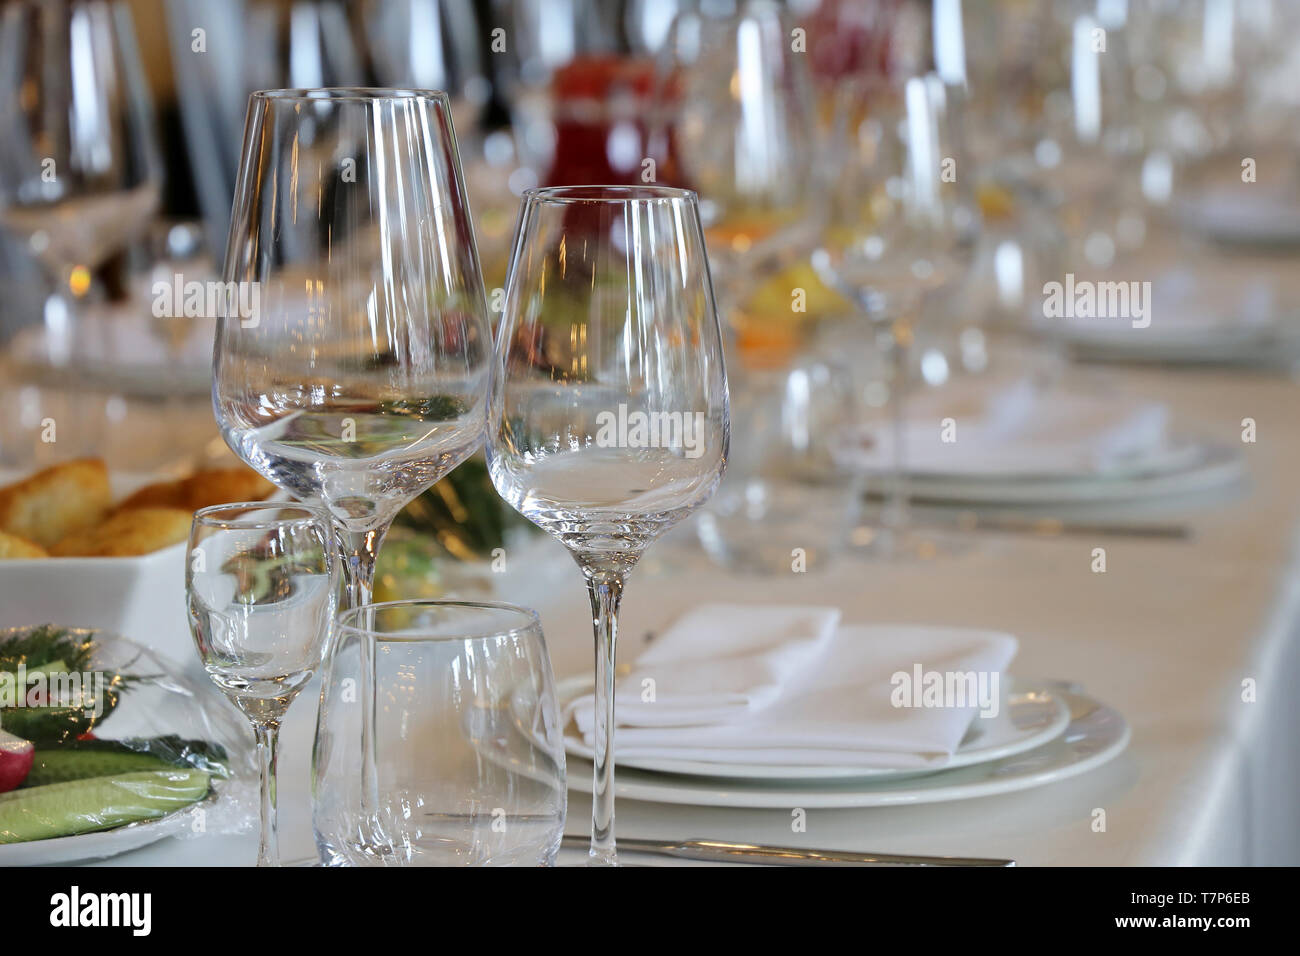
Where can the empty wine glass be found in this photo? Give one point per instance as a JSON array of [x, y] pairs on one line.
[[743, 132], [905, 228], [609, 414], [469, 754], [360, 376], [1088, 155], [80, 174], [432, 44], [262, 585]]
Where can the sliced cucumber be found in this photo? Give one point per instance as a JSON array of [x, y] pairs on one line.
[[48, 725], [59, 766], [100, 803]]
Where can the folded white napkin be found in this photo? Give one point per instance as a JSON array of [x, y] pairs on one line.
[[1014, 430], [838, 709], [716, 664]]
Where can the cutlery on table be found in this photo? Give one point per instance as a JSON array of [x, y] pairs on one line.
[[717, 851]]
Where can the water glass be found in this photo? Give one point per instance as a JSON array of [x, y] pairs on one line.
[[467, 751]]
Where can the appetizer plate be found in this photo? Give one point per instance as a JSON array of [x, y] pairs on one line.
[[1095, 735], [1029, 717], [98, 846], [160, 701]]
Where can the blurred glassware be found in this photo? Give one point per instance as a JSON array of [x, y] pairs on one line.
[[299, 43], [428, 45], [1089, 152], [742, 126], [581, 38], [609, 412], [647, 22], [785, 503], [359, 376], [80, 174], [1001, 64], [850, 40], [1216, 84], [262, 582], [904, 228], [132, 434], [264, 44], [467, 746]]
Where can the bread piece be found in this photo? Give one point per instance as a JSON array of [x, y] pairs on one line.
[[126, 533], [12, 546], [56, 502], [216, 487]]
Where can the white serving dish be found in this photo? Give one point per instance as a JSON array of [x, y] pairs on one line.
[[142, 598]]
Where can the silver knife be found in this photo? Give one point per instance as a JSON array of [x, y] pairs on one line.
[[1049, 527], [717, 851]]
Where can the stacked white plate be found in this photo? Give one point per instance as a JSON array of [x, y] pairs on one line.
[[1044, 731], [1019, 443]]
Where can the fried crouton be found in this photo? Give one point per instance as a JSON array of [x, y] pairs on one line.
[[14, 547], [134, 532], [214, 487], [56, 502]]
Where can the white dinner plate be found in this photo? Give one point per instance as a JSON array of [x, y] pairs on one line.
[[1227, 346], [1205, 467], [1028, 717], [1096, 734]]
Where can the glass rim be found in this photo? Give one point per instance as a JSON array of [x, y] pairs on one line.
[[612, 193], [244, 519], [362, 94], [345, 619]]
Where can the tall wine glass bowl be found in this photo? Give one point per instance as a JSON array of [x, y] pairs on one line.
[[352, 353], [609, 408]]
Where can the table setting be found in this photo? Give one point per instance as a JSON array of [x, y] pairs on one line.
[[871, 445]]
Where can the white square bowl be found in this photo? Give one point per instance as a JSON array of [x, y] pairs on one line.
[[142, 598]]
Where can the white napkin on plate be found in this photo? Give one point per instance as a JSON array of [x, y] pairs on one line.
[[1015, 430], [717, 663], [837, 709]]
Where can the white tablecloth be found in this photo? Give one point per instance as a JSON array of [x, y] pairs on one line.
[[1167, 635]]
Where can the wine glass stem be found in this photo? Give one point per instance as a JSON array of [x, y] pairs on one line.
[[606, 591], [268, 848], [360, 549], [897, 506]]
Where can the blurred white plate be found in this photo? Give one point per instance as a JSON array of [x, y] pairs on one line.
[[1243, 216], [1028, 717], [1095, 735], [1224, 346], [1194, 468], [117, 352]]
